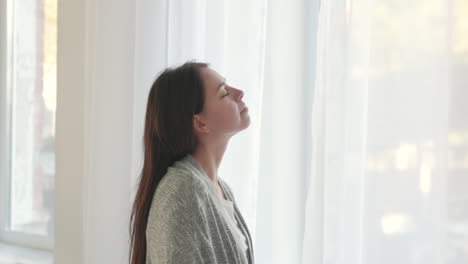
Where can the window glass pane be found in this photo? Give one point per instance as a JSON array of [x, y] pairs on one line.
[[33, 64]]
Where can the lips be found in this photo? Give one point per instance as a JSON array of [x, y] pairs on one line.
[[245, 108]]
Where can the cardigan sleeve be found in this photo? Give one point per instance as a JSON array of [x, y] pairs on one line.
[[174, 232]]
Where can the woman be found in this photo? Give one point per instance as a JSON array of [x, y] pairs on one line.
[[183, 211]]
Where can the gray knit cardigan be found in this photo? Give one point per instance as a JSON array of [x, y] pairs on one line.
[[185, 225]]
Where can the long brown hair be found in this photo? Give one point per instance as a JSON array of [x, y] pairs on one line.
[[176, 95]]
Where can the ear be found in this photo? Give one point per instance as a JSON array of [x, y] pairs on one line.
[[199, 125]]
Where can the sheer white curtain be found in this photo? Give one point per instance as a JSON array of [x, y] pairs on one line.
[[260, 46], [390, 133], [109, 53]]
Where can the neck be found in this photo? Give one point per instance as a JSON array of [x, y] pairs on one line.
[[210, 156]]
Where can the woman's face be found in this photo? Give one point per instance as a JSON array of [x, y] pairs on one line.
[[221, 114]]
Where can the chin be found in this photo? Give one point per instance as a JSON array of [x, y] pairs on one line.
[[247, 124]]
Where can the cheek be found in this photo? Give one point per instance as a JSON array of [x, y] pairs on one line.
[[224, 118]]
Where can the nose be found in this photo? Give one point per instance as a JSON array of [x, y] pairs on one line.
[[241, 94]]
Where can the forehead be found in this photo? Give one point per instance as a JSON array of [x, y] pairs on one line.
[[211, 79]]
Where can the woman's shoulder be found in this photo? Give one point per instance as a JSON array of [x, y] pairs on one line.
[[176, 198], [176, 184]]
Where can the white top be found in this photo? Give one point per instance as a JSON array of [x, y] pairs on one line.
[[240, 238]]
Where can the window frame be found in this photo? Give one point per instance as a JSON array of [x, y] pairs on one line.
[[8, 236]]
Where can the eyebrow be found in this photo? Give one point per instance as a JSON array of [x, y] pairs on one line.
[[221, 85]]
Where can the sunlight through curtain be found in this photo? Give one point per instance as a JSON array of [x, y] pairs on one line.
[[390, 133]]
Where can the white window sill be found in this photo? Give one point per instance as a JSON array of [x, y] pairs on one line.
[[12, 254]]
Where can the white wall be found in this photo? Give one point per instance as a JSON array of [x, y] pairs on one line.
[[69, 182], [94, 130]]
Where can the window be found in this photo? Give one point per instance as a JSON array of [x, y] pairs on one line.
[[27, 128]]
